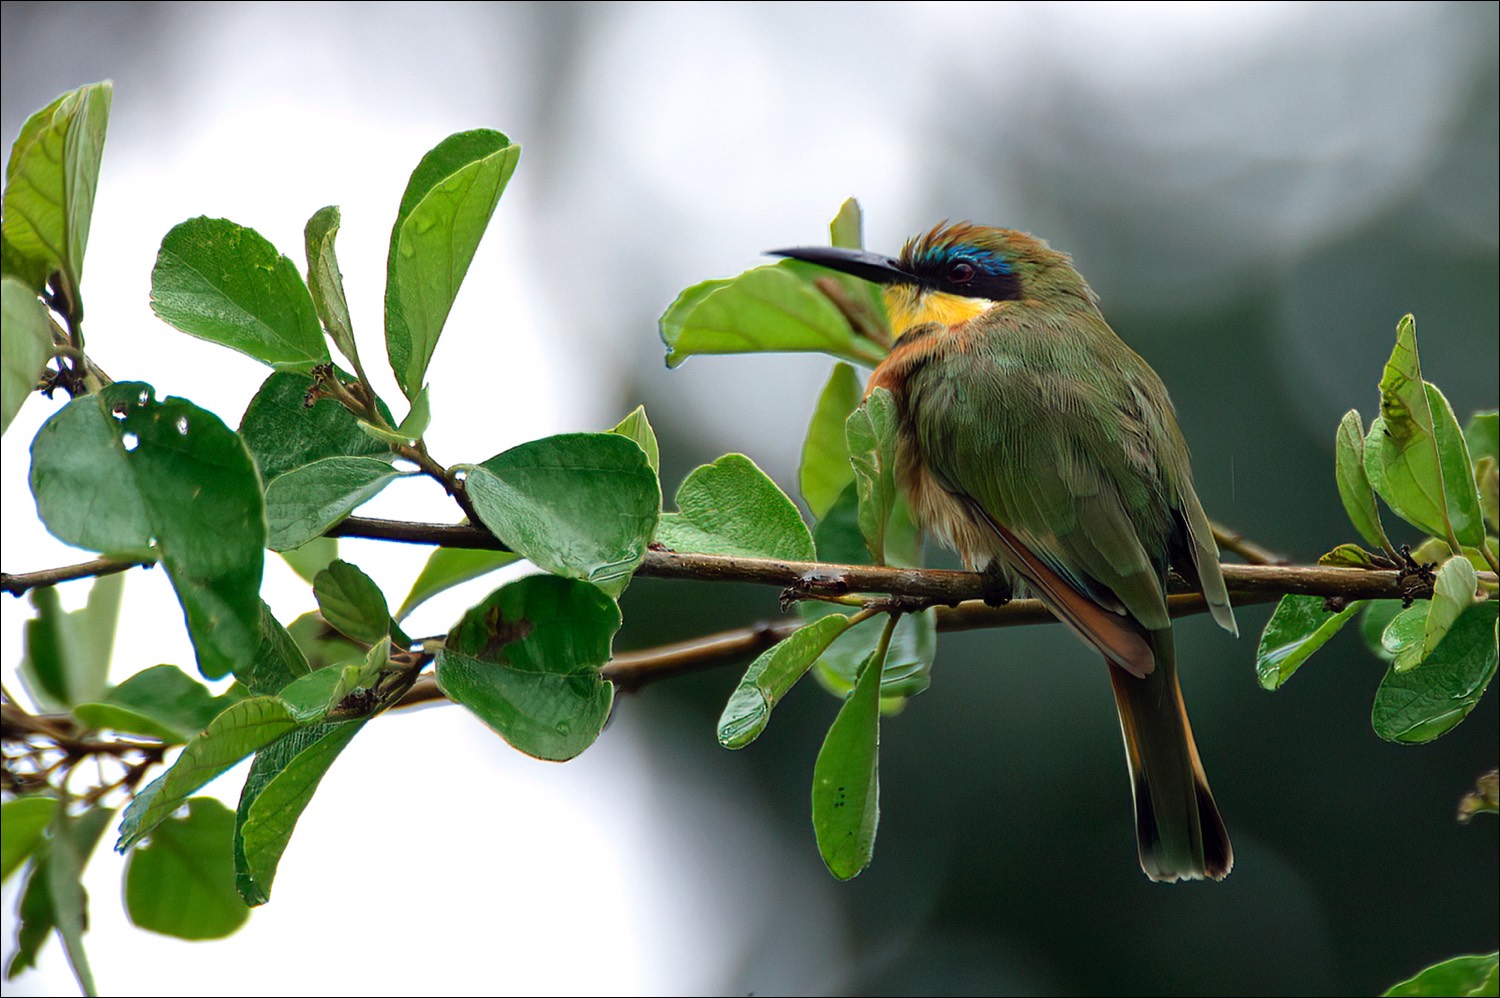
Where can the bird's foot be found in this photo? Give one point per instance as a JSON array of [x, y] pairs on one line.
[[997, 588]]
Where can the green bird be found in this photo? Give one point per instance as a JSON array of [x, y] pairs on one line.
[[1036, 444]]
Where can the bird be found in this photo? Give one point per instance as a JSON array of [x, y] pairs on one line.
[[1046, 452]]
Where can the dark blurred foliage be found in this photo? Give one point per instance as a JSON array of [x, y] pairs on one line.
[[1256, 228]]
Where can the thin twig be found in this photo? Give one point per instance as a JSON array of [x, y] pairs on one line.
[[1238, 543], [18, 584]]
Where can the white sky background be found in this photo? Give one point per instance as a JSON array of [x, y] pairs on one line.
[[662, 145]]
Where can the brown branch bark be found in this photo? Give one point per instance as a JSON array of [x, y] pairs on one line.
[[815, 578]]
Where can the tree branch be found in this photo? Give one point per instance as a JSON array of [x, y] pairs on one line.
[[1246, 583]]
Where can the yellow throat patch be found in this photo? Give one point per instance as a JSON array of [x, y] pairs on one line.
[[910, 306]]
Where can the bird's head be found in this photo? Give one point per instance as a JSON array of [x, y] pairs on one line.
[[954, 273]]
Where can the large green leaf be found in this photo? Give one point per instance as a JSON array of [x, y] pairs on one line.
[[181, 883], [50, 181], [1354, 484], [825, 469], [283, 432], [846, 780], [1415, 455], [230, 737], [306, 501], [444, 211], [280, 784], [526, 662], [770, 308], [1300, 626], [25, 348], [226, 283], [1462, 975], [582, 505], [1426, 702], [118, 470], [731, 507], [769, 678], [68, 651], [326, 283]]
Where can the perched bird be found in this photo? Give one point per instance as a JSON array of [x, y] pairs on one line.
[[1039, 446]]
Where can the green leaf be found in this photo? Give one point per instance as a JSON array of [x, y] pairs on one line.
[[1487, 481], [241, 729], [278, 658], [1372, 624], [68, 652], [581, 505], [448, 567], [85, 487], [1483, 435], [847, 230], [325, 282], [770, 308], [1300, 626], [52, 896], [25, 348], [161, 702], [73, 841], [731, 508], [23, 822], [769, 678], [836, 534], [846, 781], [1422, 704], [1353, 556], [283, 432], [526, 662], [1405, 630], [33, 913], [181, 883], [871, 433], [638, 428], [50, 181], [1415, 455], [321, 645], [825, 469], [307, 560], [417, 417], [306, 501], [444, 212], [226, 283], [280, 785], [908, 662], [1354, 485], [1452, 594], [352, 603], [113, 470], [1461, 975]]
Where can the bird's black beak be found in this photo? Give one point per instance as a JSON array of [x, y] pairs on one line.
[[860, 263]]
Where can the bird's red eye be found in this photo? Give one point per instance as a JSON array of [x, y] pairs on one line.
[[961, 272]]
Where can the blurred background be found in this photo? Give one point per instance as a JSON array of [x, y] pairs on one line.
[[1257, 191]]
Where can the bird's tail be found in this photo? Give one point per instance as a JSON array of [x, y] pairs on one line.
[[1178, 829]]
